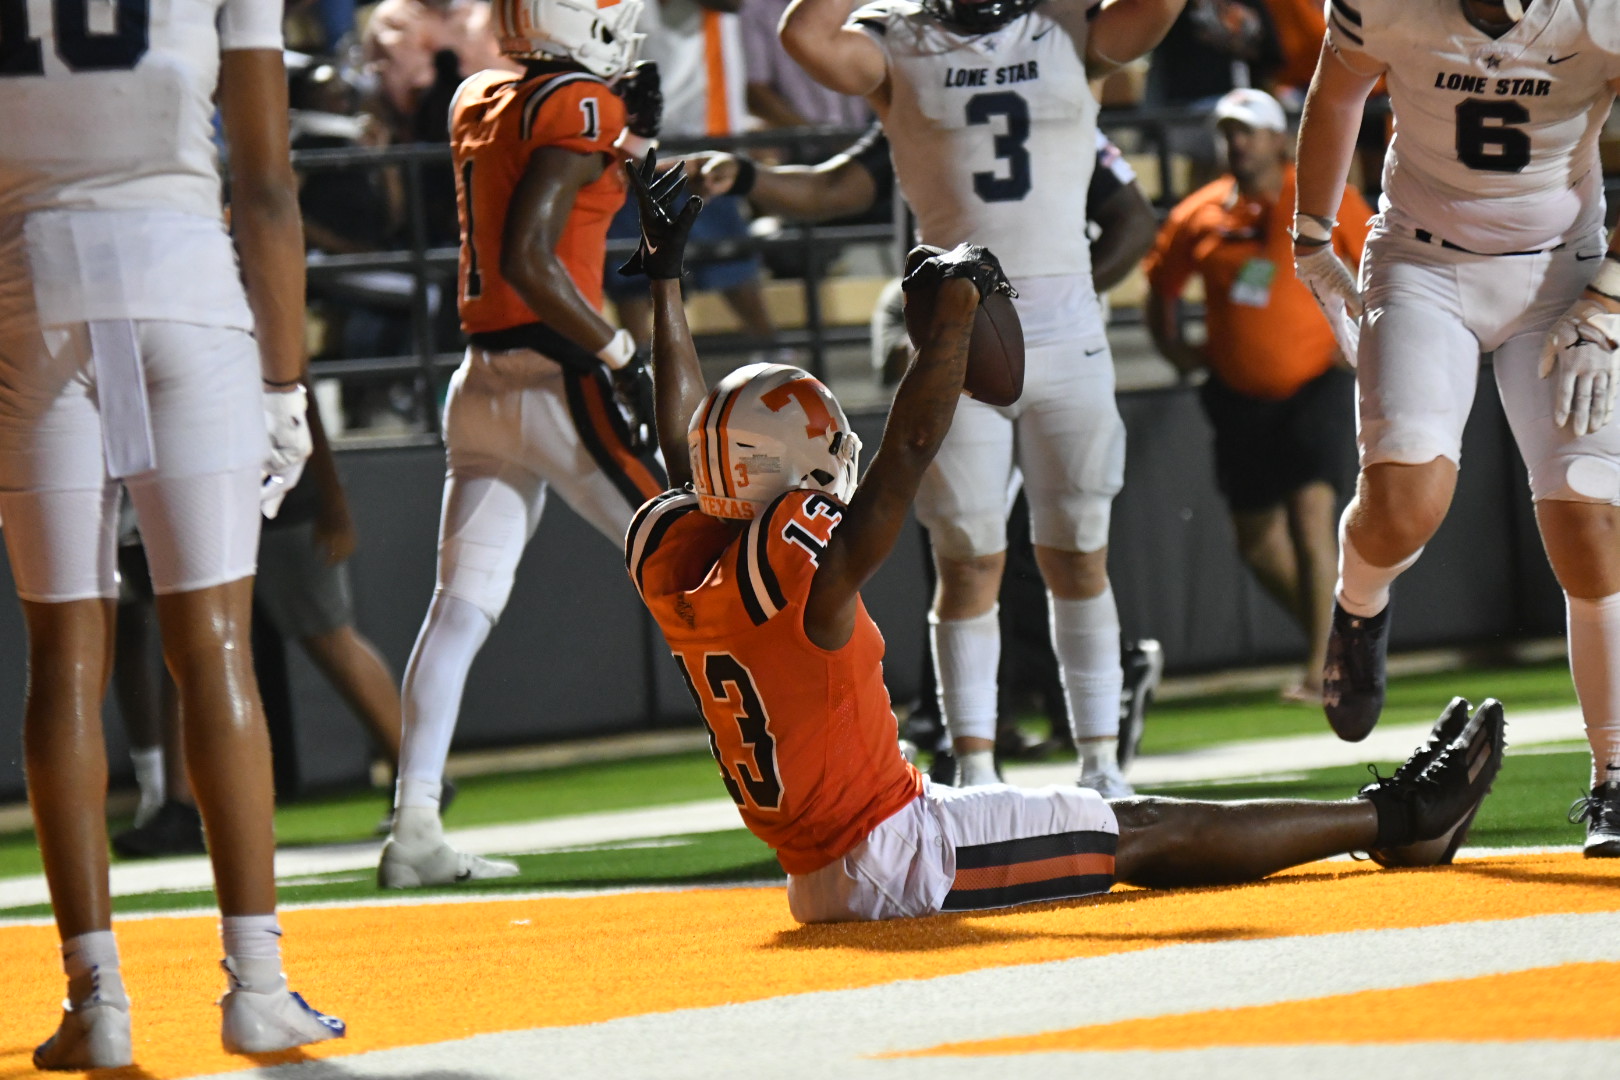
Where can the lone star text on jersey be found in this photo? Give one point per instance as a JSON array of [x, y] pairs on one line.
[[1012, 73], [1482, 84]]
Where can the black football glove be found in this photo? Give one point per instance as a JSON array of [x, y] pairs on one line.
[[633, 390], [642, 92], [663, 229], [928, 266]]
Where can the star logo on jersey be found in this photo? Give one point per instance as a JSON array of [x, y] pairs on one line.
[[1493, 62]]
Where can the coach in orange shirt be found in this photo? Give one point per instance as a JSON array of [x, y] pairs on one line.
[[1278, 395]]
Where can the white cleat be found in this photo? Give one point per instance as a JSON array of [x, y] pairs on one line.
[[90, 1037], [252, 1023], [1108, 783], [412, 867]]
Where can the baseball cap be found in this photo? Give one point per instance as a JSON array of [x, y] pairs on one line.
[[1256, 108]]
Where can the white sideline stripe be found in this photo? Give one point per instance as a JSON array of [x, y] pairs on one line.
[[835, 1033], [1256, 756]]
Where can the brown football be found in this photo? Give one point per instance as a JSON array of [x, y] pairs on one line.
[[995, 363]]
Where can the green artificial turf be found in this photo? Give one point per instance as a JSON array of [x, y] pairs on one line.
[[1191, 723], [1528, 806]]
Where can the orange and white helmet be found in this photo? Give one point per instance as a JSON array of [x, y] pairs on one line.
[[767, 429], [601, 38]]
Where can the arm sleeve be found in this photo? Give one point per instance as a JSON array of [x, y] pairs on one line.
[[250, 24]]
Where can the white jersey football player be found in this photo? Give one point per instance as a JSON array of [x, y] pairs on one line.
[[1490, 239], [992, 128], [128, 359]]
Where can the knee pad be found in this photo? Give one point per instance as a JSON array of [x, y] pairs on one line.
[[1587, 478], [1071, 521], [969, 536], [480, 574]]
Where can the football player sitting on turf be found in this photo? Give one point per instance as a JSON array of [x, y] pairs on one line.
[[752, 565]]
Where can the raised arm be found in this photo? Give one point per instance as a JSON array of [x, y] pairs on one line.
[[1120, 30], [816, 34], [678, 386], [924, 405]]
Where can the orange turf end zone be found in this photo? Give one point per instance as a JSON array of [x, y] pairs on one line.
[[403, 976], [1519, 1006]]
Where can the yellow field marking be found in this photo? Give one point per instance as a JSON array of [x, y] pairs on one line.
[[409, 976], [1543, 1003]]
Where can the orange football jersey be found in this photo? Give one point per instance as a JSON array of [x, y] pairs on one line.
[[496, 121], [805, 738]]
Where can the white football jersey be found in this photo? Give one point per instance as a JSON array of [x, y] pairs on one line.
[[993, 136], [1496, 139], [109, 180]]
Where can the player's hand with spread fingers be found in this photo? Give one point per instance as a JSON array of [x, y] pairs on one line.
[[974, 262], [1582, 352], [665, 223], [290, 443]]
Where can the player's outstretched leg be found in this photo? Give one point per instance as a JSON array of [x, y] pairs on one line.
[[1170, 842]]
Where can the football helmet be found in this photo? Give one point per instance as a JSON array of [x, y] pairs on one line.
[[977, 16], [767, 429], [601, 38]]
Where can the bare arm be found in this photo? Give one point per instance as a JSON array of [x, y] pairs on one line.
[[334, 526], [765, 102], [1169, 333], [1328, 128], [264, 206], [921, 414], [539, 211], [835, 188], [839, 57], [1128, 225], [1120, 32], [677, 378]]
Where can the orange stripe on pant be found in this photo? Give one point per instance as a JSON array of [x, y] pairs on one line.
[[1062, 866], [596, 408]]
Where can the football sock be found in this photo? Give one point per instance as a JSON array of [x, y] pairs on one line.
[[148, 762], [1098, 756], [1594, 663], [976, 769], [253, 951], [1085, 637], [90, 962], [967, 655], [435, 679], [1363, 589]]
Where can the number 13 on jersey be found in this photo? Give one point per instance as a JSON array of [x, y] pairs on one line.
[[733, 712]]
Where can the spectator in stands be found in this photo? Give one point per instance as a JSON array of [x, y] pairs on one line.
[[697, 45], [1277, 395], [1214, 46], [401, 40], [1300, 25], [779, 92]]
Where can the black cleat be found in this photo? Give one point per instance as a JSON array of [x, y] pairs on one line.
[[1601, 812], [1435, 801], [1353, 676], [1144, 666], [1439, 851], [176, 829]]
